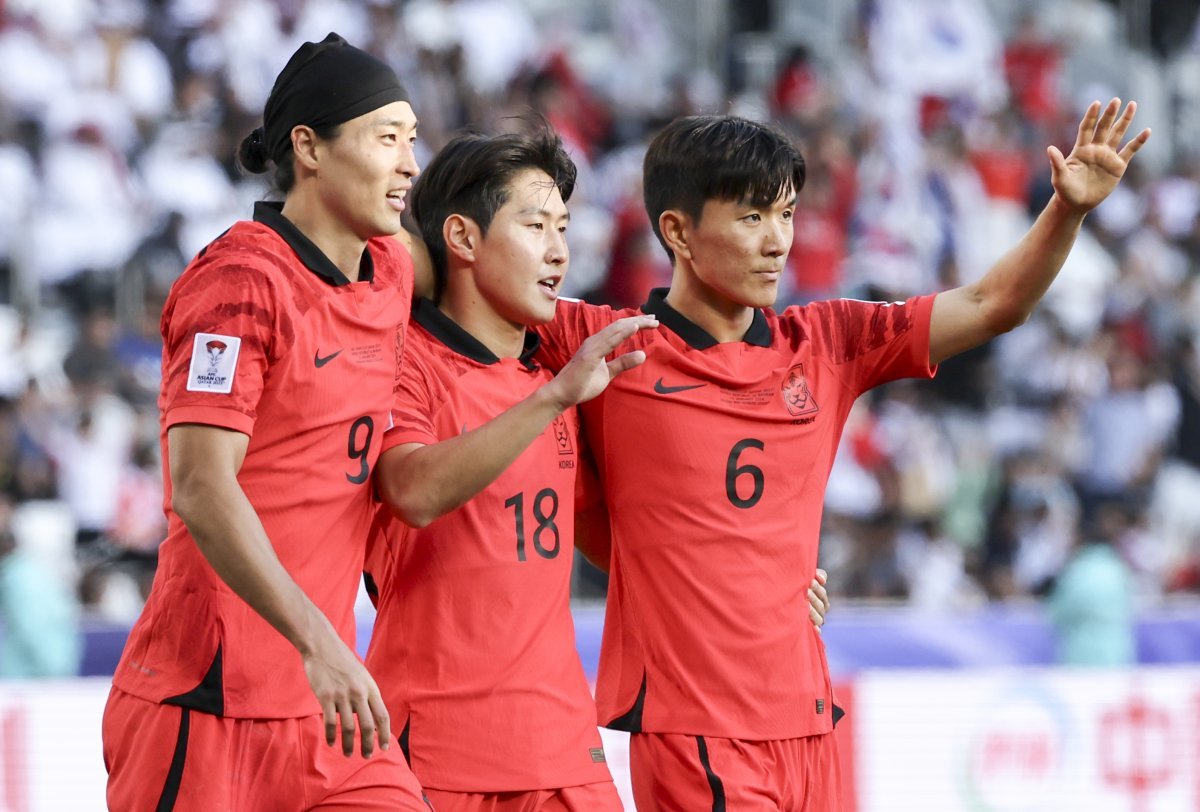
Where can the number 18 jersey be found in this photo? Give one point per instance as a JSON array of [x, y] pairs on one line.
[[714, 458], [474, 643]]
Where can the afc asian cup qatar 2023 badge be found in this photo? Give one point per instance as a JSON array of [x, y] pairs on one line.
[[214, 359]]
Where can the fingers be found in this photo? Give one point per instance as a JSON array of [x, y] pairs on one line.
[[1058, 161], [367, 726], [1099, 134], [329, 712], [822, 576], [1134, 145], [382, 720], [346, 712], [1087, 127], [625, 362], [1117, 133], [605, 341]]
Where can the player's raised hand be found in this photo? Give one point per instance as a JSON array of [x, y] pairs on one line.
[[346, 690], [818, 599], [588, 372], [1097, 161]]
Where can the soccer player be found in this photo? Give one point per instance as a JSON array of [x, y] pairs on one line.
[[714, 454], [280, 355], [474, 644]]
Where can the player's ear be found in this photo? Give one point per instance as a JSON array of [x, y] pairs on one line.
[[304, 147], [462, 237], [674, 226]]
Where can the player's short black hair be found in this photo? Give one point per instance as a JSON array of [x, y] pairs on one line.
[[695, 159], [471, 176]]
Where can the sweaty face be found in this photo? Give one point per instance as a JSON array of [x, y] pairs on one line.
[[738, 250], [366, 171], [523, 258]]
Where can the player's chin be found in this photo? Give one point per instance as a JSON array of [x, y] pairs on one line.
[[761, 293], [386, 223], [532, 312]]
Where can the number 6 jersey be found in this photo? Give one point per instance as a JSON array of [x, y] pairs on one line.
[[713, 459], [474, 644], [263, 335]]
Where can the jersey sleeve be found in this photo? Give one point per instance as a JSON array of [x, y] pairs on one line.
[[220, 329], [573, 322], [872, 342], [416, 397]]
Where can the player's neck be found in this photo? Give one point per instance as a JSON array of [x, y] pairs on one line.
[[343, 248], [472, 313], [721, 318]]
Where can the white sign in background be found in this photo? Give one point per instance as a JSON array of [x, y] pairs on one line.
[[50, 756], [50, 750], [1029, 740]]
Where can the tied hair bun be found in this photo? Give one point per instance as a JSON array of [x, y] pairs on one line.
[[252, 154]]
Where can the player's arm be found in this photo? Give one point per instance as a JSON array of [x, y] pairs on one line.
[[423, 283], [1005, 297], [593, 534], [205, 494], [422, 482]]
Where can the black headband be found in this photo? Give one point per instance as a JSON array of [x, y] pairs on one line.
[[325, 84]]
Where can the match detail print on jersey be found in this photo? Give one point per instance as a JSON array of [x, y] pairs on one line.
[[214, 359]]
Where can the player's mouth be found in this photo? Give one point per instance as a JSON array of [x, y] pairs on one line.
[[768, 275], [395, 199], [550, 285]]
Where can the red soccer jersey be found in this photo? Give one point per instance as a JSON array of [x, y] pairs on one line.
[[263, 335], [474, 644], [714, 459]]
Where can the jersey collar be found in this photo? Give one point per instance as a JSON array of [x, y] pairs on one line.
[[270, 214], [696, 336], [447, 331]]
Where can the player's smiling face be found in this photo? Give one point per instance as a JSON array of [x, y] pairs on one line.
[[368, 169], [737, 250], [523, 257]]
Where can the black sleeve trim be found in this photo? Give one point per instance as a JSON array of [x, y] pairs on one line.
[[170, 791], [714, 781], [209, 695], [631, 720]]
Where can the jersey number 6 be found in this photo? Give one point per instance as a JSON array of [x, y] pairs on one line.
[[733, 472]]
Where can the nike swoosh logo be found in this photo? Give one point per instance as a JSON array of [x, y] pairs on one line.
[[320, 362], [662, 389]]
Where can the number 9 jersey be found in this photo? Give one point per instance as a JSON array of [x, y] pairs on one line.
[[263, 335], [713, 458]]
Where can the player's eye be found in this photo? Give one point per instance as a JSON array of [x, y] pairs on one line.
[[389, 137], [537, 226], [788, 214], [753, 217]]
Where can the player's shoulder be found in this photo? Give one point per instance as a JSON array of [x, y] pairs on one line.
[[393, 262], [241, 265]]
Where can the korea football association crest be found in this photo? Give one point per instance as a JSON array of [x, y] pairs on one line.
[[562, 435], [214, 360], [796, 395]]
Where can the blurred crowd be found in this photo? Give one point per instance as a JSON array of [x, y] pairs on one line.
[[924, 125]]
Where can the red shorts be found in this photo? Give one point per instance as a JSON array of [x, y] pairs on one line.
[[599, 797], [170, 758], [678, 773]]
